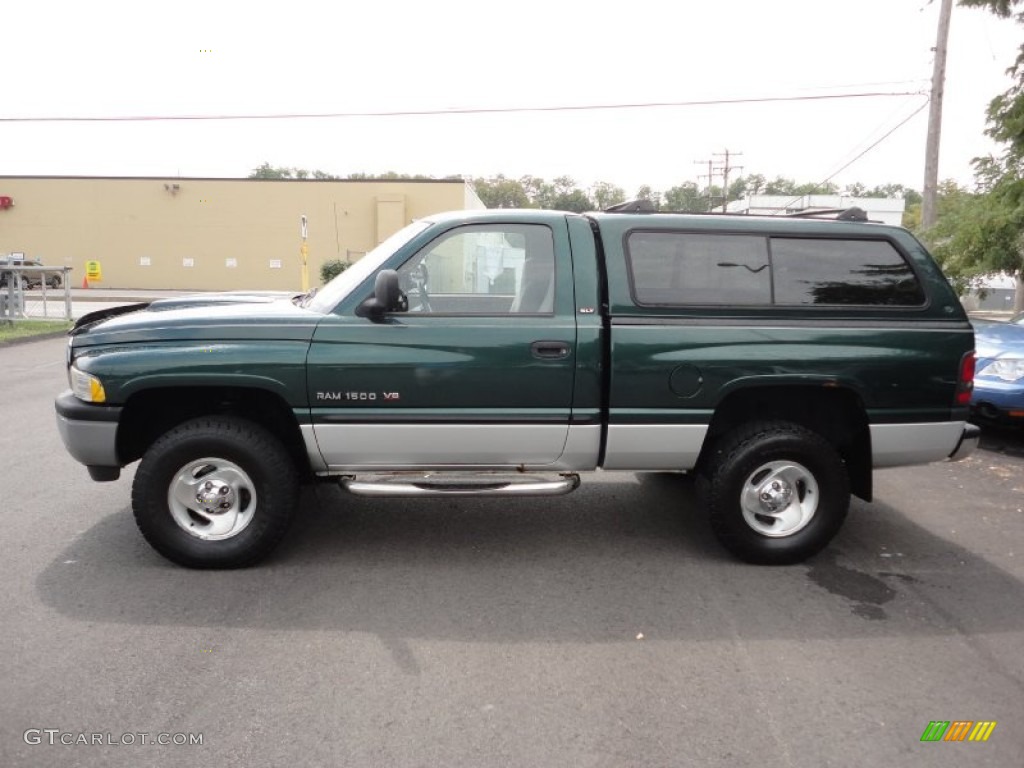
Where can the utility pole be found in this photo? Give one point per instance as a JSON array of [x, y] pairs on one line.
[[725, 168], [931, 152], [709, 176], [722, 170]]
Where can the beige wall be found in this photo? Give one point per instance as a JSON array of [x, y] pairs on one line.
[[122, 222]]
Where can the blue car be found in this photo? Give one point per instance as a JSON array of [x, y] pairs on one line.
[[999, 373]]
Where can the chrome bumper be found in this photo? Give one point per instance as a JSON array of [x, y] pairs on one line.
[[968, 443]]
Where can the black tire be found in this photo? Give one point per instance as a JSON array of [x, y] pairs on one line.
[[810, 473], [208, 454]]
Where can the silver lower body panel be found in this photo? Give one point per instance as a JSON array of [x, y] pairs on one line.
[[654, 446], [340, 448], [900, 445]]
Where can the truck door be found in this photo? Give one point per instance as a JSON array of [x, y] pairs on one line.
[[479, 370]]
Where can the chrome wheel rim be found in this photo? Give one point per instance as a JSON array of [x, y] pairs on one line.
[[779, 498], [212, 499]]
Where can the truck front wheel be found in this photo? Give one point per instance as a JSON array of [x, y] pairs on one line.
[[776, 492], [215, 492]]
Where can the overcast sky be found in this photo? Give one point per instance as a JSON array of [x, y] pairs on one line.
[[213, 57]]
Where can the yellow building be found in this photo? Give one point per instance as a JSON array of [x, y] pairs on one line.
[[209, 234]]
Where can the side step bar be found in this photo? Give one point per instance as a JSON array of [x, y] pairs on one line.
[[456, 485]]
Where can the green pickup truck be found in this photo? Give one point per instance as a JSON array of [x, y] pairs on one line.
[[501, 352]]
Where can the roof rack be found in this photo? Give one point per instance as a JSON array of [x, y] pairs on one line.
[[632, 206], [854, 213]]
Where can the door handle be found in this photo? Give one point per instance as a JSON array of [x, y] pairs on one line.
[[550, 350]]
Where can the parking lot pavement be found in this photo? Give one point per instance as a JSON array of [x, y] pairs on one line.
[[605, 628]]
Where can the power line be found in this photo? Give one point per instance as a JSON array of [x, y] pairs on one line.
[[870, 147], [883, 125], [921, 82], [456, 111], [884, 136]]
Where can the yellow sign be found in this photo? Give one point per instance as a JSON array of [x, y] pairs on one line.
[[93, 271]]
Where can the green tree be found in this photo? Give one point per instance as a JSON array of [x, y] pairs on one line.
[[686, 197], [739, 189], [912, 217], [912, 196], [983, 232], [389, 176], [1002, 8], [331, 268], [646, 193], [501, 192], [977, 234], [780, 186], [572, 200], [268, 171], [712, 196], [817, 188], [536, 190], [561, 194], [894, 190], [605, 195]]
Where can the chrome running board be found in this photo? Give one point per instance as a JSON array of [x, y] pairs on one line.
[[456, 484]]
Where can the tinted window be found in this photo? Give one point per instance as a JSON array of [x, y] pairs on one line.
[[842, 272], [686, 268]]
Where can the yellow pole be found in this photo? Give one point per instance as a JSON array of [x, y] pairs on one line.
[[304, 251]]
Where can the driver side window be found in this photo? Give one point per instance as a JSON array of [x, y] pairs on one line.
[[494, 269]]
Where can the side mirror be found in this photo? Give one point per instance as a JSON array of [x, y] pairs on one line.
[[387, 297]]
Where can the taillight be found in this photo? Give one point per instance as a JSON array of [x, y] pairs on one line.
[[965, 383]]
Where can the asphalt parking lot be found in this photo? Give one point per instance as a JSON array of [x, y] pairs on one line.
[[605, 628]]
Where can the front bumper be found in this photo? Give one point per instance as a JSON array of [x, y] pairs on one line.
[[89, 433], [968, 443]]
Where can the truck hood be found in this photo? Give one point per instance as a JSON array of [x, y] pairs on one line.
[[203, 317]]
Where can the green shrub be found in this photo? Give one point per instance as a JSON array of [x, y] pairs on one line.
[[331, 269]]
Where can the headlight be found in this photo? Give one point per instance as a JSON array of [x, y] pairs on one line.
[[86, 386], [1007, 369]]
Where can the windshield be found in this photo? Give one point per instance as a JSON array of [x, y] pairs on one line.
[[327, 298]]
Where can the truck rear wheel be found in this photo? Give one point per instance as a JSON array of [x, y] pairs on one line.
[[215, 492], [776, 492]]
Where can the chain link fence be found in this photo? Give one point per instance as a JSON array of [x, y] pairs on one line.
[[36, 293]]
